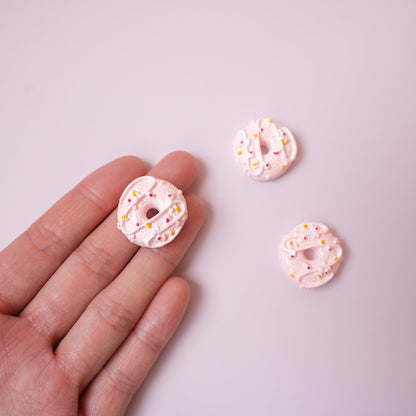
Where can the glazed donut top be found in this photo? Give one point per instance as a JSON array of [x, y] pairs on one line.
[[147, 196], [264, 149], [310, 254]]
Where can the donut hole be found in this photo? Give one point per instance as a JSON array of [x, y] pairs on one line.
[[309, 253], [151, 212], [264, 148]]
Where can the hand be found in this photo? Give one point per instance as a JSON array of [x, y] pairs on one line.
[[83, 313]]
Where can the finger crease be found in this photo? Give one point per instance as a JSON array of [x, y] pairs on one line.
[[121, 381], [92, 196], [37, 320], [47, 239], [114, 314], [73, 368], [97, 259], [150, 342]]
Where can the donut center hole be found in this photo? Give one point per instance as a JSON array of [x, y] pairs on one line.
[[151, 212], [264, 148], [309, 253]]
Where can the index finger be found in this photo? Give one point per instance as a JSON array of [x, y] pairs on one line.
[[29, 261]]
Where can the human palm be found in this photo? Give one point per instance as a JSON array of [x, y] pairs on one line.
[[84, 313]]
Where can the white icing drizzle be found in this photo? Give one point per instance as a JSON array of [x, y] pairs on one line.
[[309, 272], [279, 138], [255, 144], [316, 233]]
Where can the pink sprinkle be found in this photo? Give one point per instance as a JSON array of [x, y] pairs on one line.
[[309, 267], [284, 134], [292, 256], [129, 200], [276, 153], [326, 272], [137, 224], [304, 238], [170, 195], [316, 228], [167, 219], [150, 195], [159, 238], [330, 249], [261, 130], [267, 165], [242, 142]]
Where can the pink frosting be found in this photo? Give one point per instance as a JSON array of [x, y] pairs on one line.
[[145, 197], [310, 254], [264, 149]]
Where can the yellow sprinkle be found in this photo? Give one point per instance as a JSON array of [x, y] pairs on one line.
[[319, 276], [255, 135], [134, 193], [172, 233], [255, 164], [284, 141], [283, 166], [305, 226], [292, 275], [322, 242], [148, 225], [177, 209], [291, 243], [336, 258], [123, 217], [270, 121], [160, 180], [240, 152]]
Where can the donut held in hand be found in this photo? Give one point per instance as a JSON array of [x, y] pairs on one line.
[[151, 212]]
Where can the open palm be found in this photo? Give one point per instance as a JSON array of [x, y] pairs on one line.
[[84, 313]]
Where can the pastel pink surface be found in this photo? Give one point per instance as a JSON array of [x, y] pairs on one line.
[[139, 199], [85, 82], [264, 149], [310, 254]]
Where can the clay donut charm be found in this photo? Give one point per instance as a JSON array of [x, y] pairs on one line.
[[310, 254], [151, 212], [264, 149]]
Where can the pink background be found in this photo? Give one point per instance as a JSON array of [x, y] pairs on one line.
[[84, 82]]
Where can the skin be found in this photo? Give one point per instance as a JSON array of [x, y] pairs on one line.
[[84, 313]]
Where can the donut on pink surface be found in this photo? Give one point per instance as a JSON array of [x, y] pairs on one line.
[[310, 254], [264, 149], [151, 212]]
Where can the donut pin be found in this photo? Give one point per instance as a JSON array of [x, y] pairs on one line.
[[264, 149], [310, 254], [151, 212]]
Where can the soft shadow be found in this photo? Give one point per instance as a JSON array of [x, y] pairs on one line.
[[299, 144], [200, 179]]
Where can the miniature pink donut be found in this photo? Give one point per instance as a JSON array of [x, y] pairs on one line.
[[264, 149], [310, 254], [151, 212]]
